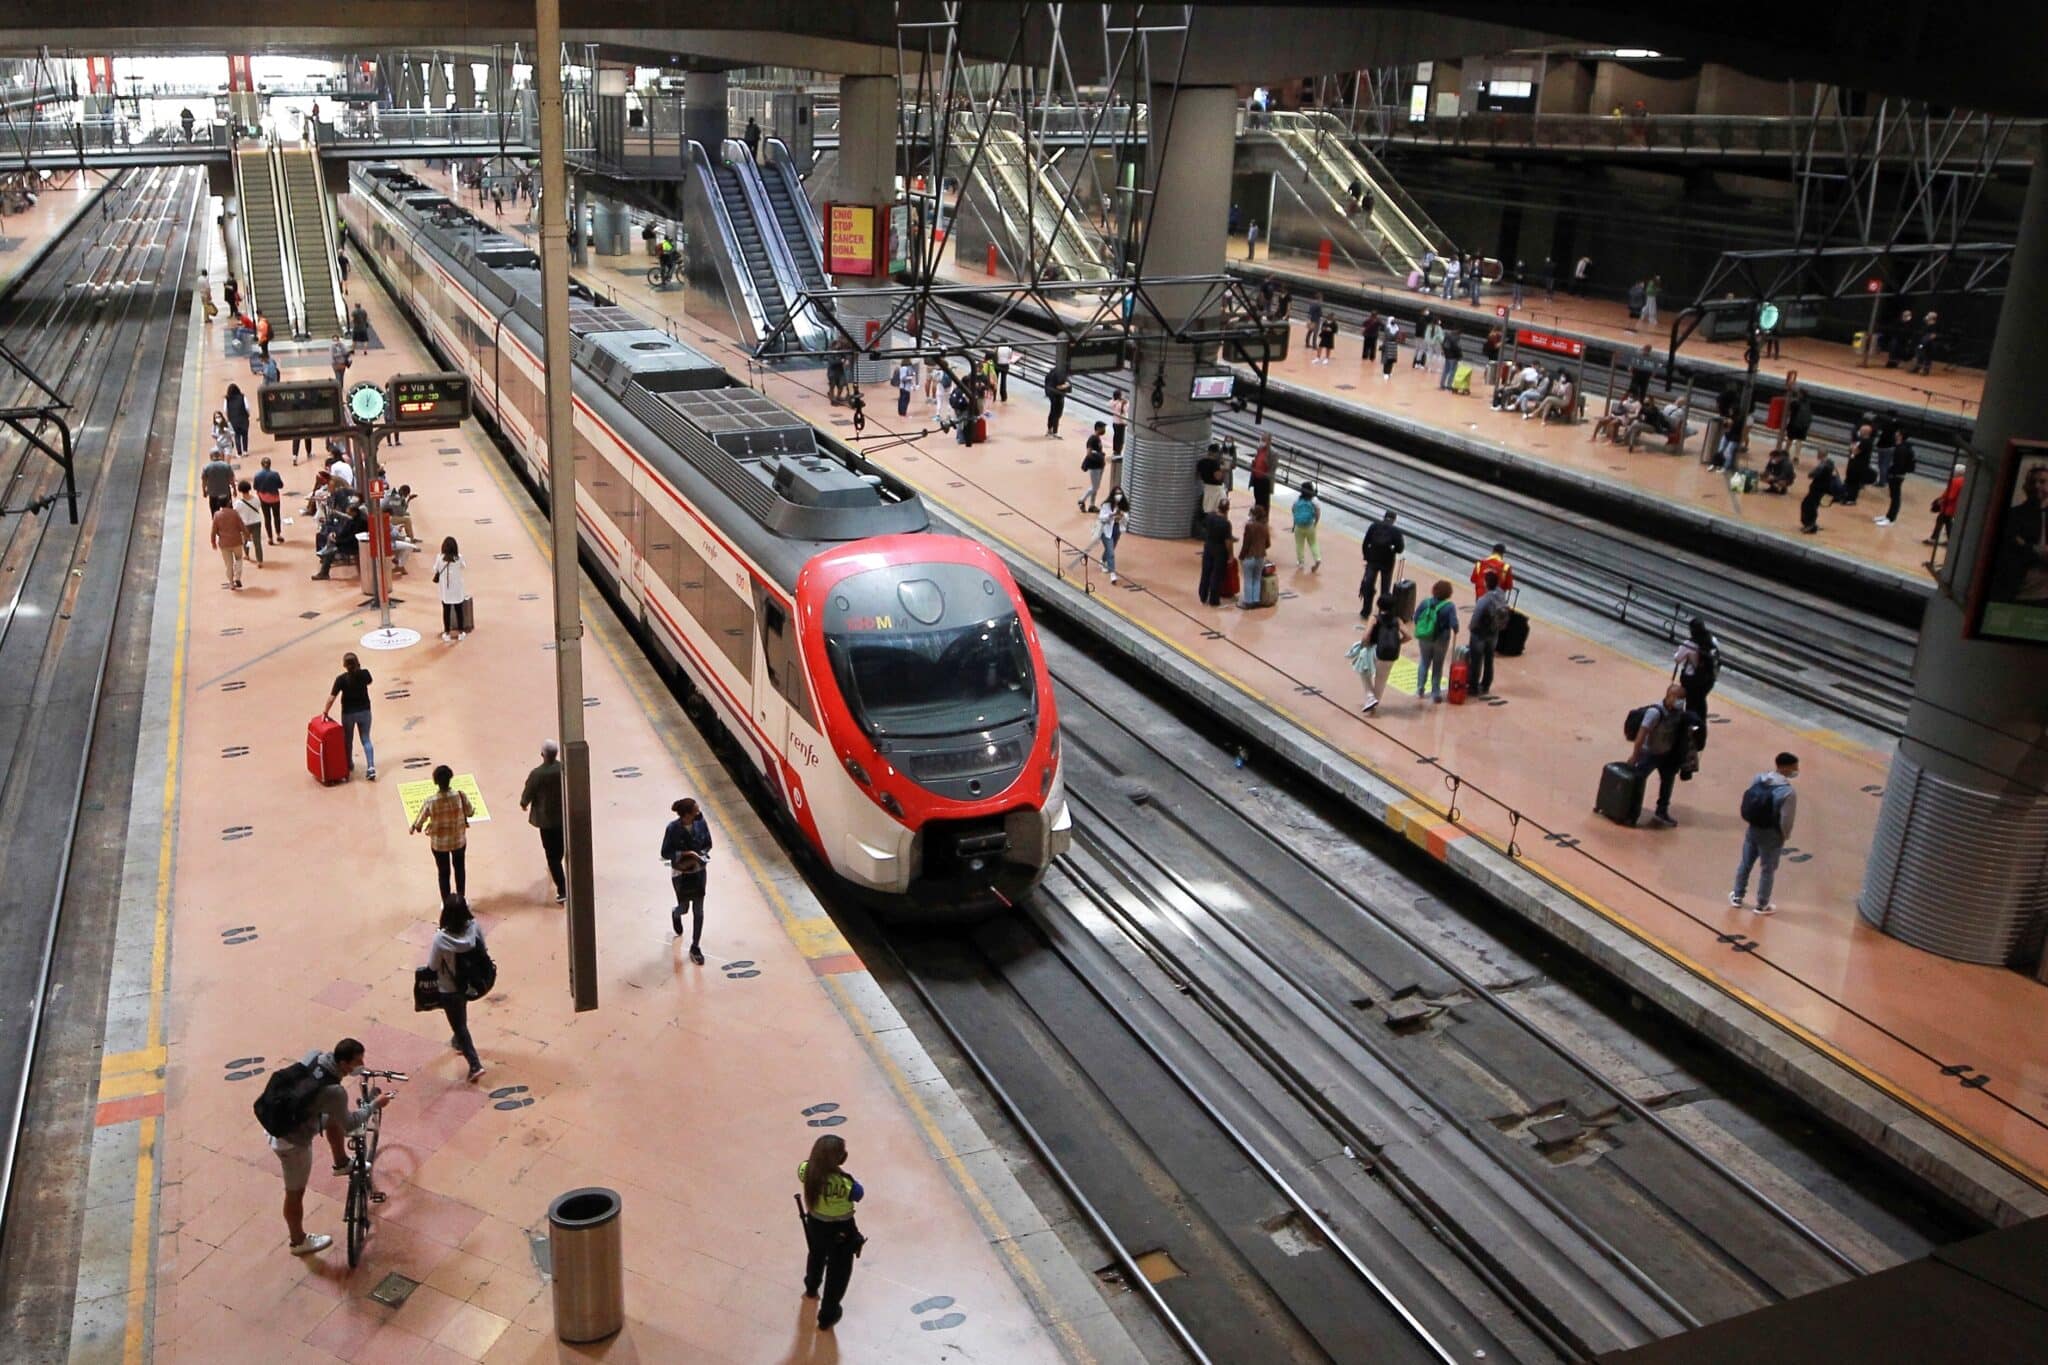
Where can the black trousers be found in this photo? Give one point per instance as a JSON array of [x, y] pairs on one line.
[[456, 1007], [1376, 574], [1897, 484], [829, 1267], [690, 898], [1809, 508], [1666, 767], [273, 518], [1209, 589], [551, 847], [452, 860], [1002, 383], [1479, 665], [1055, 406]]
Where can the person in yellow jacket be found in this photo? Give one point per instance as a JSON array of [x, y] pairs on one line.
[[827, 1201]]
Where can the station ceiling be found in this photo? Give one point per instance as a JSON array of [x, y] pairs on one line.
[[1971, 53]]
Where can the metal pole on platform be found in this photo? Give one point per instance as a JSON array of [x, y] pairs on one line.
[[554, 271]]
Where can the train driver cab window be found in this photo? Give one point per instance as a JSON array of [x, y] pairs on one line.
[[779, 654]]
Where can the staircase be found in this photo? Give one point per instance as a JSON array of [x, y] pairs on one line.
[[262, 239], [1397, 231], [312, 242], [753, 250], [1027, 198]]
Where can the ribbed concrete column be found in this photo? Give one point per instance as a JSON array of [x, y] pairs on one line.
[[465, 85], [1959, 865], [867, 175], [437, 84], [704, 116], [1192, 143]]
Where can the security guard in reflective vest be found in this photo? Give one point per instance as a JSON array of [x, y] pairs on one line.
[[826, 1206]]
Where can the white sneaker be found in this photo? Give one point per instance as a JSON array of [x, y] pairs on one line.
[[1112, 578], [1735, 900], [1765, 910], [1882, 521], [315, 1243]]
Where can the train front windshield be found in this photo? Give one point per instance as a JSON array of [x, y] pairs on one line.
[[946, 681]]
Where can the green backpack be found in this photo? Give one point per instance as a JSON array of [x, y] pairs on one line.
[[1425, 619]]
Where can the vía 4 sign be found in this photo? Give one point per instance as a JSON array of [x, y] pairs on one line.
[[1550, 341]]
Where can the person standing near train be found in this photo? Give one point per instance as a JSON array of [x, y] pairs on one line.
[[686, 848], [831, 1237]]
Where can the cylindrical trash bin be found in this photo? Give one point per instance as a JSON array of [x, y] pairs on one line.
[[590, 1281]]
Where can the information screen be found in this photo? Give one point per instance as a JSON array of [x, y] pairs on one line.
[[1213, 387], [2009, 595], [301, 407], [428, 400]]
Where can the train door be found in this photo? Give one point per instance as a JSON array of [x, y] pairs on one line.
[[773, 663]]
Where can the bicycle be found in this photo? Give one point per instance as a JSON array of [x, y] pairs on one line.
[[362, 1162], [661, 277]]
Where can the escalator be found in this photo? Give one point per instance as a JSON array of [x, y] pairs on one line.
[[1020, 202], [1396, 232], [753, 250], [312, 242], [262, 239], [792, 212]]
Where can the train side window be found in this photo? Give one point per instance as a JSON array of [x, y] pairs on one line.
[[688, 584], [658, 542], [779, 653], [729, 620]]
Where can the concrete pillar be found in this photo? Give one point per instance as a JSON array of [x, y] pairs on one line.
[[704, 118], [1191, 147], [867, 175], [1959, 863], [579, 220], [465, 85], [494, 85]]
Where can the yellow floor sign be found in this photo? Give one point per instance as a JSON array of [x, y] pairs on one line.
[[414, 795]]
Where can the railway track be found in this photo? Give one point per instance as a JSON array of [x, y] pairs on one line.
[[100, 320], [1828, 653], [1233, 1032]]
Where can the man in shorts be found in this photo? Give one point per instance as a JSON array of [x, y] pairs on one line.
[[331, 1115]]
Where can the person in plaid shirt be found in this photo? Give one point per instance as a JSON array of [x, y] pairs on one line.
[[445, 816]]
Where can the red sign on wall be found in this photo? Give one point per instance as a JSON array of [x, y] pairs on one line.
[[1550, 341]]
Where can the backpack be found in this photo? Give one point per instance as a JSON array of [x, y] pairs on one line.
[[475, 972], [288, 1097], [1386, 637], [1760, 805], [1304, 513], [1632, 725], [1425, 619], [1903, 460]]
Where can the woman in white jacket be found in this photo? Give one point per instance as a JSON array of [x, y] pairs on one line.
[[448, 574], [459, 933]]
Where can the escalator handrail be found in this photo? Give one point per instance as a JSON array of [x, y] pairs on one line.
[[783, 165], [805, 325], [330, 236], [701, 162]]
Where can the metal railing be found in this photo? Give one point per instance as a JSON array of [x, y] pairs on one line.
[[1029, 199], [475, 128], [1732, 135]]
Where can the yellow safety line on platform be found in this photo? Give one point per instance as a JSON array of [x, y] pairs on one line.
[[812, 938], [141, 1244], [1402, 822]]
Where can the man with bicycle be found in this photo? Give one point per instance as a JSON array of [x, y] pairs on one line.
[[665, 254], [321, 1107]]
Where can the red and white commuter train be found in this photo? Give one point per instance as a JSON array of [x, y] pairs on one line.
[[885, 679]]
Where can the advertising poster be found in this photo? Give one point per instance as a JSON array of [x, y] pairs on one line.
[[850, 239], [2010, 600]]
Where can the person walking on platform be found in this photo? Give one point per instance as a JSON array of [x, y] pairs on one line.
[[449, 576], [1899, 464], [338, 359], [1119, 421], [1217, 539], [905, 380], [458, 936], [1651, 288], [1821, 482], [686, 848], [1251, 239], [1390, 350], [1109, 529], [1375, 655], [264, 332], [237, 408], [1489, 618], [1642, 366], [1436, 631], [1308, 515], [1382, 548], [227, 538], [830, 1235], [325, 1111], [1258, 543], [1313, 317], [1496, 563], [1057, 387], [1430, 341], [1580, 269], [1006, 356], [1549, 279], [1636, 298], [217, 481], [269, 486], [1264, 463], [1369, 337], [1697, 667], [1861, 467], [352, 689], [1798, 420], [1769, 806], [541, 799], [445, 816], [1663, 739], [341, 267], [1944, 508], [1094, 460], [1454, 352]]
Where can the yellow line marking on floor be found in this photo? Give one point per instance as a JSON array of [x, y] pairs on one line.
[[142, 1059], [127, 1087]]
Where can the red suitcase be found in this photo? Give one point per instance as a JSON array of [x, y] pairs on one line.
[[1461, 680], [326, 750]]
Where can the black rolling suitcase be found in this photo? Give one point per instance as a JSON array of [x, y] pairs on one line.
[[1514, 636], [1403, 593], [1621, 793]]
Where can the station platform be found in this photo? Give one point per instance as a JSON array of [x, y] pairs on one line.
[[1951, 390], [1413, 400], [25, 236], [264, 915], [1934, 1036]]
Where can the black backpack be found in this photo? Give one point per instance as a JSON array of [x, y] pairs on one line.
[[1759, 805], [475, 972], [1632, 724], [288, 1097]]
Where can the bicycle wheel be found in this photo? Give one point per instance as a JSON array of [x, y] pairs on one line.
[[356, 1213], [654, 278]]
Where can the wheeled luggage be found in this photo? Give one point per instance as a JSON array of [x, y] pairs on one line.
[[1461, 679], [1403, 594], [326, 750], [465, 615], [1461, 379], [1269, 587], [1621, 793], [1514, 636]]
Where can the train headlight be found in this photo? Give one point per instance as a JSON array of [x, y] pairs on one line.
[[892, 805], [858, 773]]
